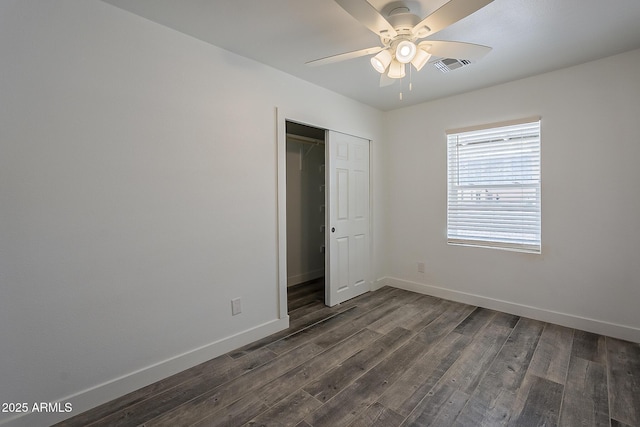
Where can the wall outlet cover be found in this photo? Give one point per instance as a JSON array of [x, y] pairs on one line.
[[236, 308]]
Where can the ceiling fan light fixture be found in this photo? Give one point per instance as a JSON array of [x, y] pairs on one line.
[[421, 58], [381, 61], [405, 51], [396, 70]]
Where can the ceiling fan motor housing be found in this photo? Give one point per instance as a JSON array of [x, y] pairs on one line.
[[403, 22]]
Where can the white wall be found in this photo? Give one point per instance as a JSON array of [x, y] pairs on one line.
[[137, 197], [588, 275], [305, 197]]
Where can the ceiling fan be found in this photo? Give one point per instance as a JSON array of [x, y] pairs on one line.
[[400, 31]]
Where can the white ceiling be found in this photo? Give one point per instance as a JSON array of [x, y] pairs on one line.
[[527, 36]]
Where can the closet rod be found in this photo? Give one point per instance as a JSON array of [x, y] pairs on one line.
[[305, 139]]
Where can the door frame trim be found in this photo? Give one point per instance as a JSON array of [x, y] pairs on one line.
[[281, 210]]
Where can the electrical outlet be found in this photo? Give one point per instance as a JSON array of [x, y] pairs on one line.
[[236, 308], [421, 267]]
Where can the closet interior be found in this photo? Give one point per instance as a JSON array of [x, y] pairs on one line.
[[306, 216]]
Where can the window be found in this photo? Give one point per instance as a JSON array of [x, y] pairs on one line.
[[494, 186]]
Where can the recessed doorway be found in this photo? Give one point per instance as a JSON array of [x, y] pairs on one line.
[[342, 221]]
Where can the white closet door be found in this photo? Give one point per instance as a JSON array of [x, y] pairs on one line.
[[348, 256]]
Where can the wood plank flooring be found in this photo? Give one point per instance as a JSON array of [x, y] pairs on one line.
[[395, 358]]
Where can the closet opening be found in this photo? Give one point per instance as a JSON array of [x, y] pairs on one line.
[[305, 216]]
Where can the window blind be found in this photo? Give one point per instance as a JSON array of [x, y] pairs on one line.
[[494, 186]]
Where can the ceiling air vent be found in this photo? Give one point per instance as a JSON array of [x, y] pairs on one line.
[[450, 64]]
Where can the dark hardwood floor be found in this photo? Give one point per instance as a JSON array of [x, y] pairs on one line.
[[392, 358]]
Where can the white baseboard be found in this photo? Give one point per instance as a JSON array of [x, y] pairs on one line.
[[102, 393], [614, 330], [304, 277]]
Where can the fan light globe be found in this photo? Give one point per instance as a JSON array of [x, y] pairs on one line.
[[420, 59], [381, 61], [396, 70], [405, 51]]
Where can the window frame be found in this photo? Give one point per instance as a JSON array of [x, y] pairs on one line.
[[515, 223]]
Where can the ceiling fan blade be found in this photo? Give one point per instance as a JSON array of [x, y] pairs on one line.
[[368, 16], [456, 50], [344, 56], [449, 13], [385, 80]]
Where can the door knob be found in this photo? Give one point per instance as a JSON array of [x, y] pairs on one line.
[[333, 229]]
